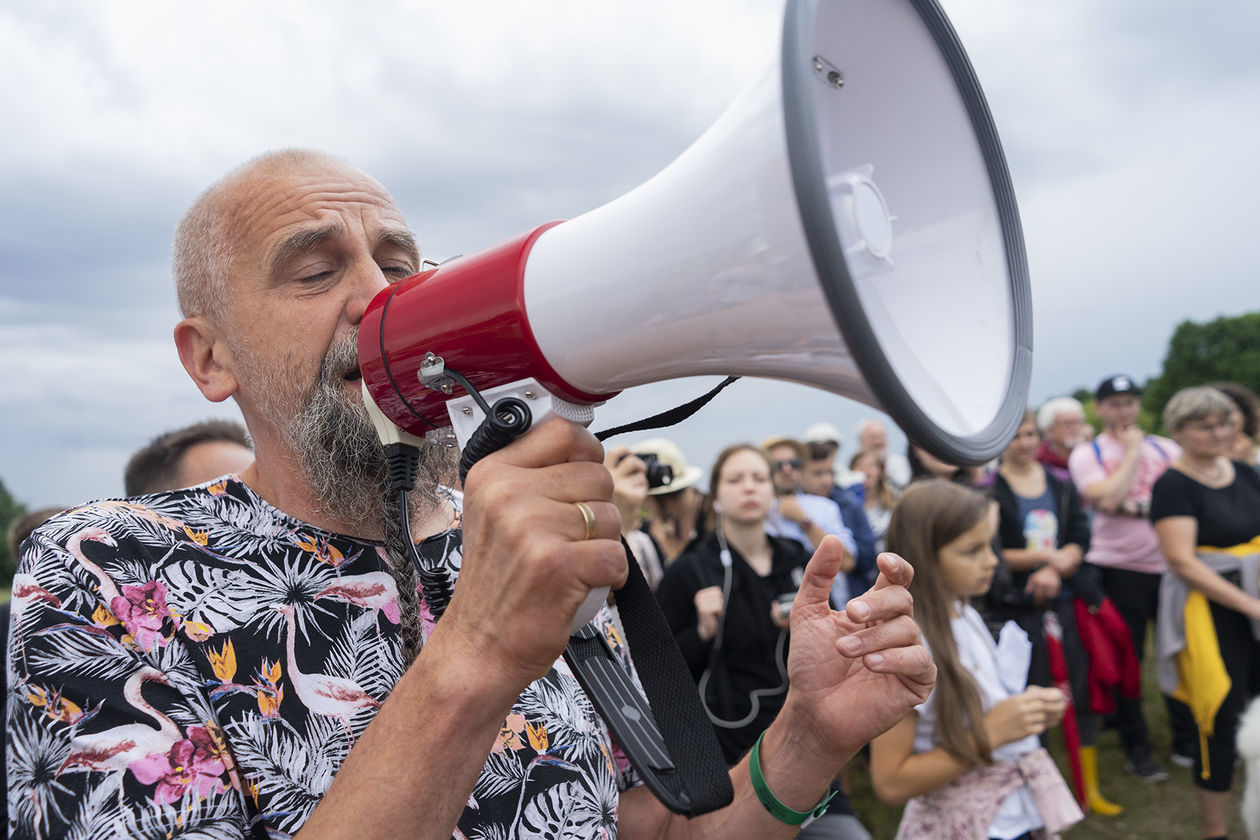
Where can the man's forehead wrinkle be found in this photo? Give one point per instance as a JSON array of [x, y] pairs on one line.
[[261, 193], [274, 206]]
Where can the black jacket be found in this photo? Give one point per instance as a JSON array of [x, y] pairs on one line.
[[1074, 528], [746, 659], [1073, 522]]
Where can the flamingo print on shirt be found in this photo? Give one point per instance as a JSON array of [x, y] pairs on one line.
[[185, 663]]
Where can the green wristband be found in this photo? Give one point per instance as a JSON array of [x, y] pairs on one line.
[[777, 809]]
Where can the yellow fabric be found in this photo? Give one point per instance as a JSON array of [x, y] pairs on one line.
[[1240, 550], [1200, 669]]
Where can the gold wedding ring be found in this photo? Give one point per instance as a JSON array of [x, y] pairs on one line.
[[588, 518]]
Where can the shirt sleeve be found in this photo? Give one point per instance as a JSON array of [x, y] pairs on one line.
[[826, 515], [1085, 467], [106, 737], [1171, 496]]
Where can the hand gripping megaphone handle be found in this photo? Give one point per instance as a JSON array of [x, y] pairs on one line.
[[508, 419], [694, 783], [517, 407]]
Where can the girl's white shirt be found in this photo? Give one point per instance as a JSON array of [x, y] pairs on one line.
[[997, 669]]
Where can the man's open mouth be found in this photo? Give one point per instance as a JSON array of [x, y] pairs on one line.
[[353, 375]]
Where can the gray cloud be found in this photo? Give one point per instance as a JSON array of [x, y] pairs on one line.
[[1129, 128]]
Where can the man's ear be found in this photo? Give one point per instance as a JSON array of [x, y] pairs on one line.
[[206, 357]]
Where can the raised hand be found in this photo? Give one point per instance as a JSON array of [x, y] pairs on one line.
[[855, 673], [630, 485], [708, 609], [791, 510], [1131, 437]]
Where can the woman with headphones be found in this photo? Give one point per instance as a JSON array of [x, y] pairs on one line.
[[728, 599]]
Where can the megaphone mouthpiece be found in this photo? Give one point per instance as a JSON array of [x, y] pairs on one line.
[[466, 316]]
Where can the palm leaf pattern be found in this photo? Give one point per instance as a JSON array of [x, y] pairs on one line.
[[566, 811], [214, 597], [127, 628]]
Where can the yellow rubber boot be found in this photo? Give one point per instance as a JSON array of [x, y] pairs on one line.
[[1094, 799]]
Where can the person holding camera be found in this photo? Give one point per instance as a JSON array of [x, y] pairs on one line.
[[630, 477], [728, 601], [673, 502]]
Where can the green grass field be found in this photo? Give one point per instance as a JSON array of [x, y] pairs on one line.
[[1166, 810]]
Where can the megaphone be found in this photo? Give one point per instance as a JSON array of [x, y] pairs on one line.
[[848, 223]]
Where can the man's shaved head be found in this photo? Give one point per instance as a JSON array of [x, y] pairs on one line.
[[283, 344], [202, 254]]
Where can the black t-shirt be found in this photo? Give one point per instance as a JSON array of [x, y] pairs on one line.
[[1227, 515]]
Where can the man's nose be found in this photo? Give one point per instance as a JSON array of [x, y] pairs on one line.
[[367, 282]]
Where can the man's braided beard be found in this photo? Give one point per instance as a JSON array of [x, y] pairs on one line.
[[344, 461]]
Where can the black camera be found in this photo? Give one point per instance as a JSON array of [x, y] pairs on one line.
[[658, 474]]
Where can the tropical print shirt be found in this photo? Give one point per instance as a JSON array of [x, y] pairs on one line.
[[198, 663]]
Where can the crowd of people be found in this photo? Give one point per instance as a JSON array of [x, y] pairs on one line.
[[242, 647], [1078, 544]]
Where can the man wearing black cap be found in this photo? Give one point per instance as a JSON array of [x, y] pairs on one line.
[[1115, 473]]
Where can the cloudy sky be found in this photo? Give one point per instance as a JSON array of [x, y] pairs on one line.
[[1130, 127]]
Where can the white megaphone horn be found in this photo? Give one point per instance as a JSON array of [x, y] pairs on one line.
[[848, 223]]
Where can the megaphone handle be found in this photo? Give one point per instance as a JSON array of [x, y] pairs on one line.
[[508, 419]]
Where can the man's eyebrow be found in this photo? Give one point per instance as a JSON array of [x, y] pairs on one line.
[[299, 243], [403, 240]]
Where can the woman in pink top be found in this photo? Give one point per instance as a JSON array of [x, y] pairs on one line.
[[1115, 473]]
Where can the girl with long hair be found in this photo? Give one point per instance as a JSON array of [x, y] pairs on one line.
[[967, 762]]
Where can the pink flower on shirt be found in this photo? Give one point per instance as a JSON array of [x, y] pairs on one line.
[[194, 763], [143, 612]]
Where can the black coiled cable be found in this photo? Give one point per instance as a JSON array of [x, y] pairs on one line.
[[435, 580], [507, 420]]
